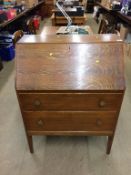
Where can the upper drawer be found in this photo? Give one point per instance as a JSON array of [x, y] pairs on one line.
[[69, 101]]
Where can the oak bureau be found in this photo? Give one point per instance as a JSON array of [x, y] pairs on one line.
[[70, 85]]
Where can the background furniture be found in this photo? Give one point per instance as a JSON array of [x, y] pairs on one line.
[[76, 13], [46, 10], [17, 35], [108, 26], [117, 14], [70, 85], [90, 6], [30, 26], [103, 26], [15, 23], [61, 20]]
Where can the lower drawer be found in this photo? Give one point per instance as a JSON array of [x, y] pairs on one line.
[[70, 121]]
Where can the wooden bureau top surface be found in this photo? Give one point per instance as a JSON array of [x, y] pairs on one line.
[[70, 63]]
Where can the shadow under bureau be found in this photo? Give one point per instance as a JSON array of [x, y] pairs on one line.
[[70, 85]]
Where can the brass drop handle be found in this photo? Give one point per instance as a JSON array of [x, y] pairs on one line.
[[98, 122], [40, 123], [37, 103], [102, 103]]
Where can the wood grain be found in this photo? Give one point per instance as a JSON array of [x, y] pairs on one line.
[[70, 121], [61, 20], [70, 66]]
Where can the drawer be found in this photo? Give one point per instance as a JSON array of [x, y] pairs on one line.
[[69, 101], [70, 121]]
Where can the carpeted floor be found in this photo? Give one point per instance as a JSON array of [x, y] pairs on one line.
[[60, 155]]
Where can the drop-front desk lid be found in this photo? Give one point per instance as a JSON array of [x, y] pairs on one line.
[[70, 63]]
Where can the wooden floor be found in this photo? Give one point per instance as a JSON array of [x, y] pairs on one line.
[[60, 155]]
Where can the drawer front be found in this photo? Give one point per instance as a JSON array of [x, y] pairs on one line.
[[70, 121], [69, 101]]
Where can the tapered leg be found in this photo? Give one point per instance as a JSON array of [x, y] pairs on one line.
[[30, 143], [109, 144]]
